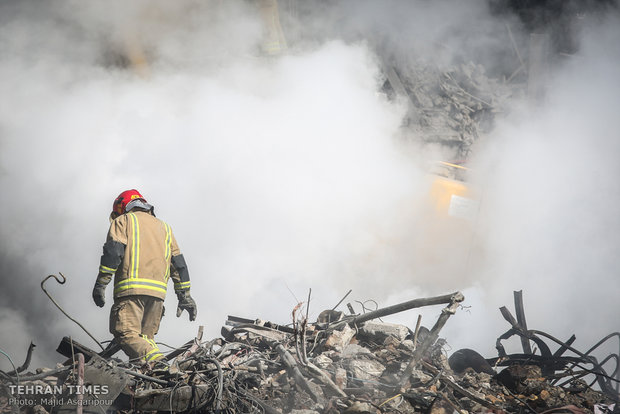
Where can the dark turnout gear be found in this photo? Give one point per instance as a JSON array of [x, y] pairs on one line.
[[186, 303], [99, 294], [141, 254], [181, 279]]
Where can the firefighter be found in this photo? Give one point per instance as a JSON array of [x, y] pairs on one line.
[[142, 254]]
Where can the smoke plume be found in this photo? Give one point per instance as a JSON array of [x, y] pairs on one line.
[[282, 174]]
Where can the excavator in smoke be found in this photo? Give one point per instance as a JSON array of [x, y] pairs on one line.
[[450, 244]]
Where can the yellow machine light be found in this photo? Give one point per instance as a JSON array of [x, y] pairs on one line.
[[452, 197], [443, 191]]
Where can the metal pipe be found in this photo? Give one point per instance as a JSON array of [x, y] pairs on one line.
[[455, 297], [525, 342], [341, 300], [417, 331], [26, 363], [430, 339]]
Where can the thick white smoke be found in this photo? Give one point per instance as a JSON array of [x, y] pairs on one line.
[[280, 175], [266, 169], [550, 196], [548, 221]]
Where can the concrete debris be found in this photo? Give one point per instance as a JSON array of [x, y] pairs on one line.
[[380, 331], [339, 339], [364, 370], [450, 106], [349, 364]]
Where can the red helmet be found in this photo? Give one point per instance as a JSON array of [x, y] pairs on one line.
[[118, 208]]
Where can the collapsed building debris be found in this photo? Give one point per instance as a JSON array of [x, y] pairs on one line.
[[342, 363], [452, 106]]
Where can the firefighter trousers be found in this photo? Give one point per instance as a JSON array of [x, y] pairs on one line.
[[134, 321]]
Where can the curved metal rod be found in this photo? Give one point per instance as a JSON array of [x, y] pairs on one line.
[[602, 378], [64, 279], [613, 374], [26, 363], [592, 371], [599, 343]]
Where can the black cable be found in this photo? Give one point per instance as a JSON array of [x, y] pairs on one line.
[[220, 382], [64, 279]]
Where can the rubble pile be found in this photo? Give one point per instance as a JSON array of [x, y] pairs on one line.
[[452, 106], [341, 363]]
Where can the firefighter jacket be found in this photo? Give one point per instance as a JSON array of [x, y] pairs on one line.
[[142, 254]]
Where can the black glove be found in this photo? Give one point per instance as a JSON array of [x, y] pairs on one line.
[[186, 303], [99, 294]]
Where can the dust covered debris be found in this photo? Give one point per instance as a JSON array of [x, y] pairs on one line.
[[341, 363]]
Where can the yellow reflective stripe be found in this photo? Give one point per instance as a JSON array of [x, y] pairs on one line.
[[122, 288], [141, 281], [168, 251], [168, 241], [153, 353], [105, 269], [149, 355], [182, 285], [135, 251], [140, 284], [154, 356], [151, 342]]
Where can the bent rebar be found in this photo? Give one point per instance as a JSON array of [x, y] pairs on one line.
[[64, 279]]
